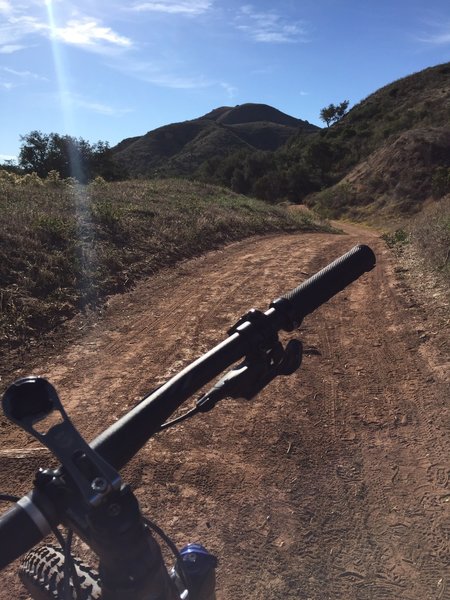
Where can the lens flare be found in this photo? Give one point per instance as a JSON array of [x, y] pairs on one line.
[[81, 200]]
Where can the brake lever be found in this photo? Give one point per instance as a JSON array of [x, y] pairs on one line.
[[251, 376], [32, 400]]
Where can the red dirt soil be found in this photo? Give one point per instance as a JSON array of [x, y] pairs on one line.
[[333, 483]]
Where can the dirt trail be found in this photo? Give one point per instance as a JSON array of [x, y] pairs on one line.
[[334, 482]]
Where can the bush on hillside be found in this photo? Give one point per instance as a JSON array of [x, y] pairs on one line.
[[431, 235]]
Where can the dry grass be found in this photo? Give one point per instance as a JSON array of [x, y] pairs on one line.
[[431, 235], [422, 247], [64, 249]]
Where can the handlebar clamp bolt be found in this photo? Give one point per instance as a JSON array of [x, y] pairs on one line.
[[99, 485]]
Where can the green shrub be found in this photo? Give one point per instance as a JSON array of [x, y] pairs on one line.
[[30, 179], [99, 181], [53, 179], [8, 178], [108, 215], [397, 239], [333, 202], [54, 231], [440, 182]]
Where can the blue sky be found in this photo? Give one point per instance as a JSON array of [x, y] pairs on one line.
[[106, 70]]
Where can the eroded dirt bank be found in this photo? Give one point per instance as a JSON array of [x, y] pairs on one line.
[[334, 482]]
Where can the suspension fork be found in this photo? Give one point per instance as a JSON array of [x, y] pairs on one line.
[[131, 566]]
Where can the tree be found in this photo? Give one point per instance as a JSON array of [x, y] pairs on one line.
[[332, 114], [69, 156], [327, 114]]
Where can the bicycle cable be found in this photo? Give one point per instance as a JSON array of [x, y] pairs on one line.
[[171, 545], [66, 544], [8, 498]]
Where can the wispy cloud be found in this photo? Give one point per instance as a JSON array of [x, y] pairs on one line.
[[11, 48], [231, 90], [161, 75], [269, 26], [180, 7], [89, 33], [15, 29], [12, 78], [438, 38], [98, 107], [24, 75]]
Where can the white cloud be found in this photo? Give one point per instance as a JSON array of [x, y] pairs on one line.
[[23, 74], [435, 30], [269, 27], [100, 108], [5, 6], [231, 90], [439, 39], [14, 29], [88, 33], [13, 78], [183, 7], [10, 48], [175, 81], [161, 76]]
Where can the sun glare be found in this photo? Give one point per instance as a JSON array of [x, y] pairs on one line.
[[63, 91], [80, 197]]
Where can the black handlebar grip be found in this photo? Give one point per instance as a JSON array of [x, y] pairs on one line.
[[313, 292], [21, 528]]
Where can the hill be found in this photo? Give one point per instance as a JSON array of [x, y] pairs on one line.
[[386, 154], [395, 179], [417, 101], [182, 148], [388, 148]]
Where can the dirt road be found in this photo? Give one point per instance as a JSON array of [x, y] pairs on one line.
[[334, 482]]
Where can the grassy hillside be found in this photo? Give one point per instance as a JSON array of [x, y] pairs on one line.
[[417, 101], [65, 248], [383, 155], [429, 234], [394, 180], [181, 149]]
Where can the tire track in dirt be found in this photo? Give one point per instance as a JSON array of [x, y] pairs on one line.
[[334, 482]]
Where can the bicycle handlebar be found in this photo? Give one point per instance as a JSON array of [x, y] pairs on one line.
[[120, 442], [21, 527], [322, 286]]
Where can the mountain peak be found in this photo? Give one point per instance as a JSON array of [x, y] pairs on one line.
[[252, 113]]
